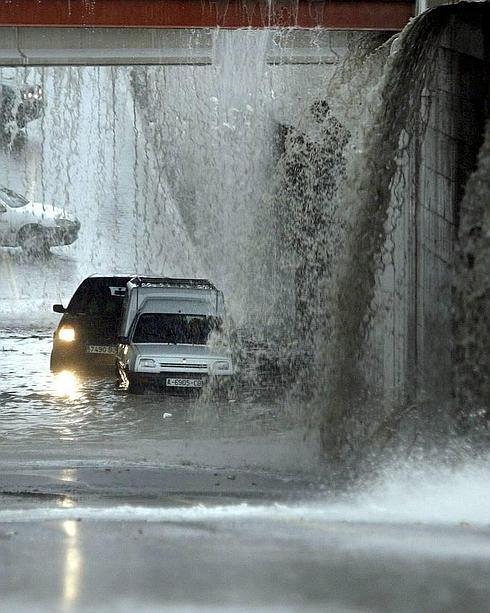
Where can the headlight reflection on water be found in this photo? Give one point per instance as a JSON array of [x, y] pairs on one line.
[[73, 559], [73, 564], [66, 385]]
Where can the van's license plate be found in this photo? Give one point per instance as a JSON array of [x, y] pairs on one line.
[[183, 382], [109, 349]]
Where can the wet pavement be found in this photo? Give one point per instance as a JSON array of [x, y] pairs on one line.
[[234, 561], [113, 502], [130, 539]]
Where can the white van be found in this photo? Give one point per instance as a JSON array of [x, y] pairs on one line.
[[171, 335]]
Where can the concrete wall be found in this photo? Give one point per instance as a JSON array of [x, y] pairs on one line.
[[417, 336], [448, 156]]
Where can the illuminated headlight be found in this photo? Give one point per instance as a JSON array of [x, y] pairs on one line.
[[221, 366], [66, 334], [147, 363]]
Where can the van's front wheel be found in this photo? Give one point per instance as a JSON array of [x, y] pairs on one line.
[[132, 386], [135, 387]]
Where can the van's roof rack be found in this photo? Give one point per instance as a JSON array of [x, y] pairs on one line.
[[173, 282]]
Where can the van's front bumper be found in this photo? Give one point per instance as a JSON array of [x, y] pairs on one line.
[[170, 380], [160, 378]]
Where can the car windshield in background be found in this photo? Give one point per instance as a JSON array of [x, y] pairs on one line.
[[95, 297], [11, 198], [175, 328]]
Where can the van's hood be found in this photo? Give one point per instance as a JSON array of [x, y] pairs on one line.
[[180, 351]]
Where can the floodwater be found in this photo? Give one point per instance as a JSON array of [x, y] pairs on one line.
[[157, 502], [73, 415], [94, 153]]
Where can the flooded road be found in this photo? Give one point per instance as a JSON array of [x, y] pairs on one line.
[[159, 503], [155, 503], [80, 416], [116, 502]]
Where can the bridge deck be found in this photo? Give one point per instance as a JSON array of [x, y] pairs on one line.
[[333, 14]]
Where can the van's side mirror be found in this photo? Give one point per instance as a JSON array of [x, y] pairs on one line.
[[59, 308], [124, 340]]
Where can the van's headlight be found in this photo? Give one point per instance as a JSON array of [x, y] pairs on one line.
[[147, 363], [66, 334], [221, 366]]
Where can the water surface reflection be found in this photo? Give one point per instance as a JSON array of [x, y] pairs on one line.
[[39, 406], [73, 561]]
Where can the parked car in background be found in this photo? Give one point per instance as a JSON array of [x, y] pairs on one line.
[[171, 335], [34, 226], [18, 106], [87, 335]]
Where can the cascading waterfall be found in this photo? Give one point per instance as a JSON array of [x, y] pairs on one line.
[[306, 204], [355, 419], [167, 167], [88, 155], [347, 418], [215, 138], [193, 170]]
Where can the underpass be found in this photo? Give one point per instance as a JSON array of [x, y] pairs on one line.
[[215, 154]]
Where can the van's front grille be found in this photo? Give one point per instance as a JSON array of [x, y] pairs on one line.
[[183, 375], [183, 365]]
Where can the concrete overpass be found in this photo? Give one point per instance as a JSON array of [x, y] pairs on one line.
[[110, 32]]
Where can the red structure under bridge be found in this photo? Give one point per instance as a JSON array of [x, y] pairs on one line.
[[332, 14]]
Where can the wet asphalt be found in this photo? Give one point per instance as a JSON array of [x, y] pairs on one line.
[[113, 502]]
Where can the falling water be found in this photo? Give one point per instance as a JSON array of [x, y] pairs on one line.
[[355, 417], [88, 155], [220, 170], [215, 138], [367, 198], [218, 136], [168, 169]]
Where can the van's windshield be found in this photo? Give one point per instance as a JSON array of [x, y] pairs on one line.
[[174, 328]]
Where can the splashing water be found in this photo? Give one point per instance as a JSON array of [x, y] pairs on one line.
[[355, 417], [430, 494], [413, 494], [192, 170]]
